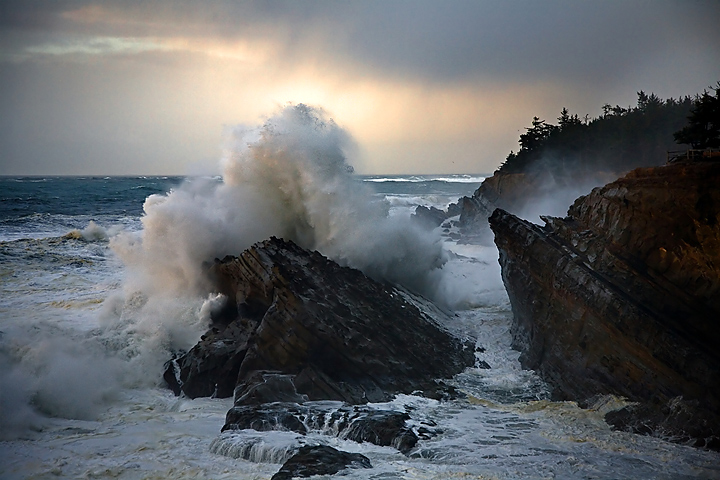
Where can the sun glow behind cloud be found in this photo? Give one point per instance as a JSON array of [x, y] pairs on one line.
[[221, 82], [130, 87]]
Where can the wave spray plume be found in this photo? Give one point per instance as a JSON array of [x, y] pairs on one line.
[[288, 178]]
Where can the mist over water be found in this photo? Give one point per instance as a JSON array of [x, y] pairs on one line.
[[554, 195]]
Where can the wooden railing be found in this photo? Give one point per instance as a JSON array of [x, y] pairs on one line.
[[693, 154]]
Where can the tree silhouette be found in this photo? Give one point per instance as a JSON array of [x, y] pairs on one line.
[[535, 135], [619, 140], [703, 129]]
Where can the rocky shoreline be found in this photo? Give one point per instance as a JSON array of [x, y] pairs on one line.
[[622, 297]]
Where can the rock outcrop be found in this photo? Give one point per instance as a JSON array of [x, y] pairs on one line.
[[357, 423], [319, 460], [521, 194], [298, 328], [506, 191], [623, 297]]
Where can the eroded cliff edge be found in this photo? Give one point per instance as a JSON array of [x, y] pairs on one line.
[[623, 297]]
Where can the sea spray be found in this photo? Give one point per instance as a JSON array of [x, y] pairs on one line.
[[52, 287], [288, 178]]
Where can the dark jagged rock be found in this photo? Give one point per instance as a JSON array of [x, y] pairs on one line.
[[623, 295], [308, 329], [507, 191], [383, 428], [453, 210], [211, 367], [360, 424], [341, 335], [677, 420], [429, 216], [319, 460]]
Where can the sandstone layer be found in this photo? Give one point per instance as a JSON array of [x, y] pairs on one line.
[[623, 297]]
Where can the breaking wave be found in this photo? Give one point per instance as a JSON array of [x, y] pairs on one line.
[[289, 178]]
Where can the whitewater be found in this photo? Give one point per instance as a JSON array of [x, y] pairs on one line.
[[101, 281]]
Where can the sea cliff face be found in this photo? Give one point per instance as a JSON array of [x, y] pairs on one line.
[[508, 192], [623, 297], [523, 194]]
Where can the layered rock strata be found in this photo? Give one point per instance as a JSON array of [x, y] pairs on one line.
[[521, 194], [623, 296], [298, 328]]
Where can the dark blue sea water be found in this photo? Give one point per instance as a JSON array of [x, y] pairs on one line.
[[51, 206]]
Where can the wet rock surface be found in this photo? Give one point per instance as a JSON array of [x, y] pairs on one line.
[[302, 341], [430, 217], [325, 332], [623, 296], [319, 460], [385, 428]]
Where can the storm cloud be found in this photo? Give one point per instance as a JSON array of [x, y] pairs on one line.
[[425, 86]]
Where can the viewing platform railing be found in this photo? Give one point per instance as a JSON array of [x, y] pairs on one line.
[[693, 154]]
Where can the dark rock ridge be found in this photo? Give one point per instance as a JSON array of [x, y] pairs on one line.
[[429, 216], [299, 328], [319, 460], [507, 191], [332, 332], [623, 296]]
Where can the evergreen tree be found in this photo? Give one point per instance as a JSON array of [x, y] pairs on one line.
[[620, 139], [535, 135], [703, 129]]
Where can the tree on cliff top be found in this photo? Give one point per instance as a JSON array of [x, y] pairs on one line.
[[619, 140], [703, 128]]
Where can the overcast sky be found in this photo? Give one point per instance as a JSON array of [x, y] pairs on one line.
[[133, 87]]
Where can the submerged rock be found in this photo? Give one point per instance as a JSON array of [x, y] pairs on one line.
[[623, 295], [320, 460]]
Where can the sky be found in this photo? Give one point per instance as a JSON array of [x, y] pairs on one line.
[[153, 87]]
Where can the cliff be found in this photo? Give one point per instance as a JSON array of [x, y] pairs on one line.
[[522, 194], [623, 297], [508, 192]]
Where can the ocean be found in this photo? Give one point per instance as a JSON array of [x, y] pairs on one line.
[[101, 281], [81, 394]]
